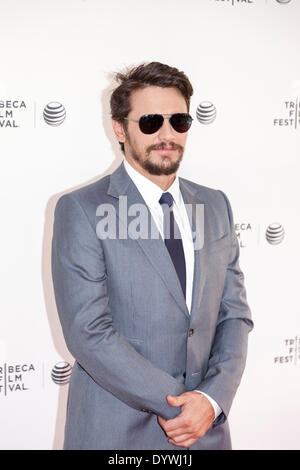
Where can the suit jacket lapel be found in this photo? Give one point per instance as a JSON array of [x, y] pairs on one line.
[[197, 222]]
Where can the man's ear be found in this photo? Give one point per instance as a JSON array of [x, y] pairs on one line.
[[119, 130]]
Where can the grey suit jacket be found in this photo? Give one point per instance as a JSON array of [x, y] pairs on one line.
[[126, 323]]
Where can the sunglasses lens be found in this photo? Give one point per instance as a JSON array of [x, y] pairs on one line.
[[150, 123], [181, 122]]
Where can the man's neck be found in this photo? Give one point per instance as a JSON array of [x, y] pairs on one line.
[[163, 181]]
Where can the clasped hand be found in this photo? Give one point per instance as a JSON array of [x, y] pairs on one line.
[[196, 417]]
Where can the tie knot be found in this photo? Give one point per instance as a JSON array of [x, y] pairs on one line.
[[166, 198]]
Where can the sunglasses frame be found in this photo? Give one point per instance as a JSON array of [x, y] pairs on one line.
[[165, 116]]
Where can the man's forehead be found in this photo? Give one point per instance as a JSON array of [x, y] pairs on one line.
[[153, 99]]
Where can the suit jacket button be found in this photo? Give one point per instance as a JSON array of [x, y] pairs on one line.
[[191, 332], [146, 411]]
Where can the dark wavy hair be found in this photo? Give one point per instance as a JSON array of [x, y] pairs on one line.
[[146, 74]]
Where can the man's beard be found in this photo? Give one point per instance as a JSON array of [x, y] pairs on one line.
[[159, 168]]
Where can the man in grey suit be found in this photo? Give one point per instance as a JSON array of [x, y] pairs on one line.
[[153, 306]]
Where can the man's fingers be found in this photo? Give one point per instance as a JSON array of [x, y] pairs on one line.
[[186, 443], [161, 420], [181, 437], [172, 424], [177, 433]]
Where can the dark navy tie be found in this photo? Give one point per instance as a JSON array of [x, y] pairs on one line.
[[173, 239]]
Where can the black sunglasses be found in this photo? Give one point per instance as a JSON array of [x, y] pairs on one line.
[[150, 123]]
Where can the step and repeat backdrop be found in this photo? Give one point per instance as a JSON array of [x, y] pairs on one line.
[[57, 58]]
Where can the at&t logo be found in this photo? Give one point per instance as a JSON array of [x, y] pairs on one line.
[[61, 373], [275, 233], [54, 113], [206, 112]]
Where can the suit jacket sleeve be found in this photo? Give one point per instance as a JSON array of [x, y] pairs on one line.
[[79, 279], [229, 349]]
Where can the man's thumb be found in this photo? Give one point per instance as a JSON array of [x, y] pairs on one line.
[[175, 401]]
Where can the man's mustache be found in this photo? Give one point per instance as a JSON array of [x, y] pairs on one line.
[[164, 145]]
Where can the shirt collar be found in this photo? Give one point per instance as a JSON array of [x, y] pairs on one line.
[[150, 191]]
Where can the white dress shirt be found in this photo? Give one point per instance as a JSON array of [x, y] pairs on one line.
[[151, 194]]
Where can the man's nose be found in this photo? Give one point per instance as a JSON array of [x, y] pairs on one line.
[[166, 132]]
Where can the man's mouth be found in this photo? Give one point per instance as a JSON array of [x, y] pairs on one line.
[[161, 149], [165, 148]]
